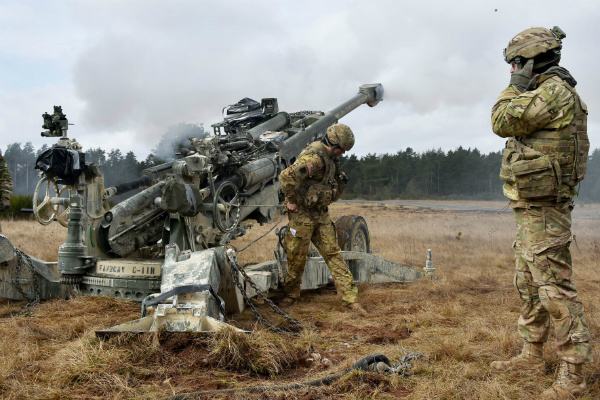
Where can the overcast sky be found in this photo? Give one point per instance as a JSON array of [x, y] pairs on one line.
[[126, 70]]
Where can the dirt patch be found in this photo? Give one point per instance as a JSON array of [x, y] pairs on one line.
[[389, 334]]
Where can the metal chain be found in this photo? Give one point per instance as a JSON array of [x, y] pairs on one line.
[[24, 260], [16, 281], [261, 236], [294, 325]]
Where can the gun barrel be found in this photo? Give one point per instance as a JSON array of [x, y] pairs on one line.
[[127, 186], [370, 94], [279, 121], [158, 168]]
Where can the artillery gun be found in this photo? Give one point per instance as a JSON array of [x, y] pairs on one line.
[[165, 245]]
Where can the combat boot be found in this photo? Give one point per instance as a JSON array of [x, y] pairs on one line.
[[568, 384], [530, 358]]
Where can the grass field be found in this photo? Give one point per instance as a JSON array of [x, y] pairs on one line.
[[461, 322]]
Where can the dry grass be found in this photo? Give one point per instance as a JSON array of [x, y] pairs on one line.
[[37, 240], [262, 353], [461, 321]]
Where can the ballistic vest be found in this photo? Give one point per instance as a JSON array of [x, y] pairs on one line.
[[317, 194], [548, 164]]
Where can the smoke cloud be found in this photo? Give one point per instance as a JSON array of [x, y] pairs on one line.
[[139, 67], [176, 140]]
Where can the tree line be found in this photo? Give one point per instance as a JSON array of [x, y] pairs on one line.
[[462, 173], [435, 174], [116, 166]]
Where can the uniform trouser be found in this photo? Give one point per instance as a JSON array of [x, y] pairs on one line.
[[303, 229], [543, 279]]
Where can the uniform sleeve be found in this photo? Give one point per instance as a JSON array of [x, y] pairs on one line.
[[292, 178], [522, 113]]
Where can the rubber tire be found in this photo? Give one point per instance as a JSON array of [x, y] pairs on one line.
[[347, 228]]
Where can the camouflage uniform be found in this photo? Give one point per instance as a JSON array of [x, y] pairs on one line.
[[543, 161], [312, 183], [5, 184]]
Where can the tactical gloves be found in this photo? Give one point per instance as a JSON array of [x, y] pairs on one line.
[[521, 77]]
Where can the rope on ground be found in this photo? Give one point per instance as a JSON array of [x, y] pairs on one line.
[[374, 362]]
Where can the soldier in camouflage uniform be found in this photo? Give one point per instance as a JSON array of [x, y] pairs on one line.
[[310, 185], [543, 162], [5, 186]]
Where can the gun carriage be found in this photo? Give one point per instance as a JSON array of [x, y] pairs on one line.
[[165, 244]]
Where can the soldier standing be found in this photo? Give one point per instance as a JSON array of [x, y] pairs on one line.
[[310, 185], [5, 186], [543, 162]]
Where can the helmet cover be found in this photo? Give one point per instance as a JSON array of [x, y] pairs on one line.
[[533, 42], [340, 135]]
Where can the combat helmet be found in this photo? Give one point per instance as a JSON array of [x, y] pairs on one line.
[[533, 42], [340, 135]]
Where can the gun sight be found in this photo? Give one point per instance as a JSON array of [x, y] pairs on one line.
[[56, 125]]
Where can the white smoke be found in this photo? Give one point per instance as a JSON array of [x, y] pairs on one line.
[[132, 69], [176, 138]]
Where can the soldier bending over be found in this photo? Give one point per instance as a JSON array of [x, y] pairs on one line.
[[310, 185]]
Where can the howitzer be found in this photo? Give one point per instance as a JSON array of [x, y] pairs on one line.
[[367, 94], [164, 244]]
